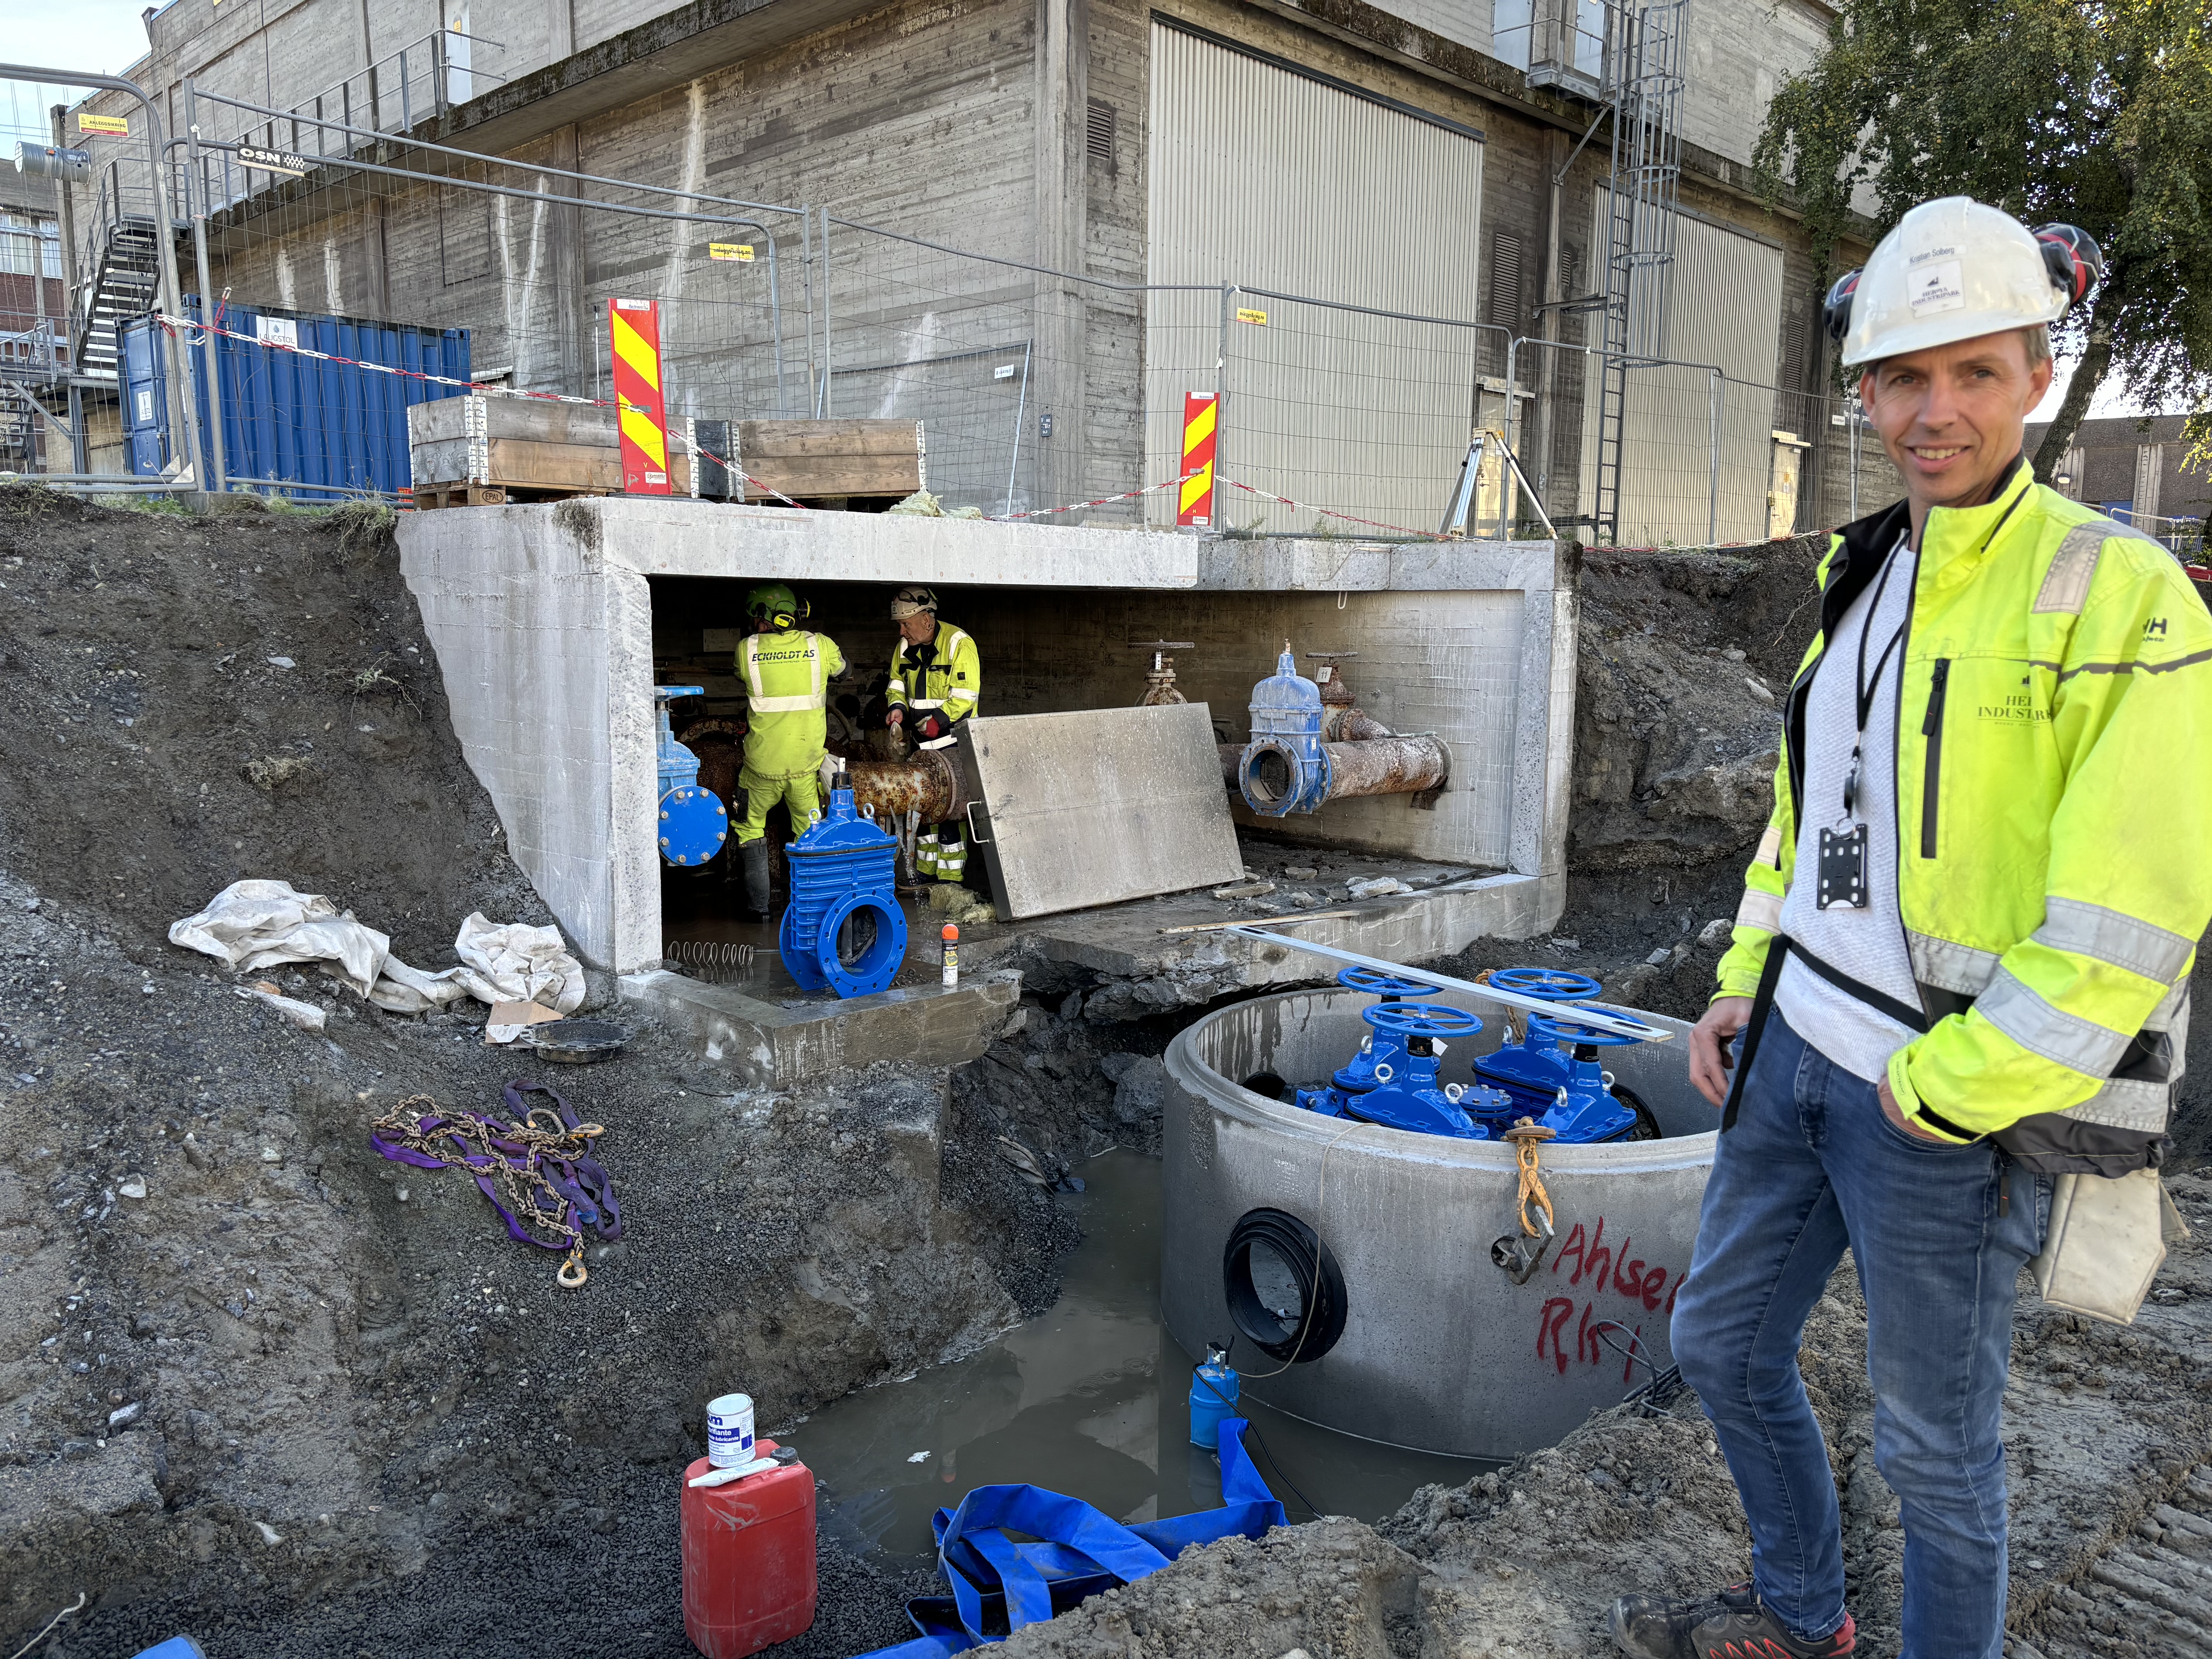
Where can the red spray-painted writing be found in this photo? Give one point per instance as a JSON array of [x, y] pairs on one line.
[[1608, 1268]]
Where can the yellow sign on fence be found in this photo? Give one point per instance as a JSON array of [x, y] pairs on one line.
[[1246, 314], [742, 251], [112, 124]]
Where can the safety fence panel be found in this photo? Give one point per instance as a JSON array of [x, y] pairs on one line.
[[919, 332], [733, 345], [1361, 418]]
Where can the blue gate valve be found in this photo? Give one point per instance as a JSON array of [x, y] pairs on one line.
[[694, 823], [1589, 1105], [1358, 1076], [843, 930], [1406, 1095], [1285, 768], [1532, 1071]]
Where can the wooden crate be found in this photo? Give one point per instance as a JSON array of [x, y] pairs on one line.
[[811, 460], [476, 452], [481, 451]]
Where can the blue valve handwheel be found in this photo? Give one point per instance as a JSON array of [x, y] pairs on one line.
[[1552, 984], [1374, 980], [1422, 1019]]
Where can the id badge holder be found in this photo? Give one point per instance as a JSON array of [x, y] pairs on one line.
[[1843, 871]]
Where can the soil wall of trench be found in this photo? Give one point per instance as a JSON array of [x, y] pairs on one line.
[[278, 1403]]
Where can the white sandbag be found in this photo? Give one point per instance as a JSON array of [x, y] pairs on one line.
[[514, 962], [405, 990], [253, 925]]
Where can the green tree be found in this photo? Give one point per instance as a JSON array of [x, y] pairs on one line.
[[2094, 113]]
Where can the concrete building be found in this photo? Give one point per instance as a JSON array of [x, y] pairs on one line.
[[1397, 157], [2138, 471]]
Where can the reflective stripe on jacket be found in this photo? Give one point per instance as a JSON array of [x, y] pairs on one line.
[[944, 672], [2054, 807], [786, 677]]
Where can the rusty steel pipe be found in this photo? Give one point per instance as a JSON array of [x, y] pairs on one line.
[[1385, 766], [928, 784], [1342, 723]]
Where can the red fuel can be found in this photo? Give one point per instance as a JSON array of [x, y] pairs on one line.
[[747, 1559]]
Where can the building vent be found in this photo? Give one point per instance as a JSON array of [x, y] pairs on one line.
[[1505, 281], [1098, 135]]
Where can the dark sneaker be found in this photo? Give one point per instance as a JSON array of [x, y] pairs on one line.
[[1733, 1623]]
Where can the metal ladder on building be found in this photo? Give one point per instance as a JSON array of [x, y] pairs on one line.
[[1646, 81]]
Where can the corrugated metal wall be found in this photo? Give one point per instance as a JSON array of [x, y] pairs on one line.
[[1723, 306], [1270, 180]]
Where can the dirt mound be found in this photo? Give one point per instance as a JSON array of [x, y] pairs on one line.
[[193, 701], [240, 1371], [1683, 656]]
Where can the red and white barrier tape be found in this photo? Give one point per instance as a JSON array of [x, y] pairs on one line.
[[1078, 506], [1331, 512], [174, 323]]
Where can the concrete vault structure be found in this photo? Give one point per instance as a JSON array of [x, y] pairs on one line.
[[544, 621]]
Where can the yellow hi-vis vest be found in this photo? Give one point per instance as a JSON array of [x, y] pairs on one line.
[[786, 676], [946, 673], [2054, 814]]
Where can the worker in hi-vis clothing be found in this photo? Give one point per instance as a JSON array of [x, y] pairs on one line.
[[936, 676], [1960, 969], [785, 669]]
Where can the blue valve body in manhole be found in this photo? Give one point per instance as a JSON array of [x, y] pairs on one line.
[[1551, 1075], [693, 823], [842, 872]]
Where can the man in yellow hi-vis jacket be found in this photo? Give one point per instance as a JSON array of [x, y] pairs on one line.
[[936, 676], [786, 671], [1961, 964]]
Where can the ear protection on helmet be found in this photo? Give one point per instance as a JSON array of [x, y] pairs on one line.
[[2072, 257], [2076, 263], [779, 618], [1835, 309]]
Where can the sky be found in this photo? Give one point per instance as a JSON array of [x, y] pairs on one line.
[[101, 37]]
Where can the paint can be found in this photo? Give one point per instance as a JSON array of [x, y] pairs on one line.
[[730, 1430], [950, 935]]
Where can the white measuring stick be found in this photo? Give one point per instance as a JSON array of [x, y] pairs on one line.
[[723, 1477], [1566, 1012]]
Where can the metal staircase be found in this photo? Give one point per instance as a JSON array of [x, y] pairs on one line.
[[124, 284], [1646, 83], [20, 420]]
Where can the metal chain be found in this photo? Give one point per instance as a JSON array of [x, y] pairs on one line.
[[534, 1200]]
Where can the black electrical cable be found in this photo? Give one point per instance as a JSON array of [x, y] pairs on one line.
[[1652, 1393], [1261, 1440]]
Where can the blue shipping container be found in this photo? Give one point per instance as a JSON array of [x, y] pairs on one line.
[[301, 427]]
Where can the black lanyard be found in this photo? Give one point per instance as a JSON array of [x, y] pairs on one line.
[[1863, 690]]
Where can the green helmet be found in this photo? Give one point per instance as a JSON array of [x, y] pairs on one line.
[[774, 602]]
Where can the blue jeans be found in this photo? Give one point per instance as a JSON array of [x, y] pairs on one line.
[[1938, 1234]]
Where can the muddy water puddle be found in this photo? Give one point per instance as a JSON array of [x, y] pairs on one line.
[[1089, 1399]]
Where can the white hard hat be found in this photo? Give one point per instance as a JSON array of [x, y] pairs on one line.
[[1954, 269]]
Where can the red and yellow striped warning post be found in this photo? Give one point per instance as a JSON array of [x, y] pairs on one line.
[[633, 334], [1194, 504]]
